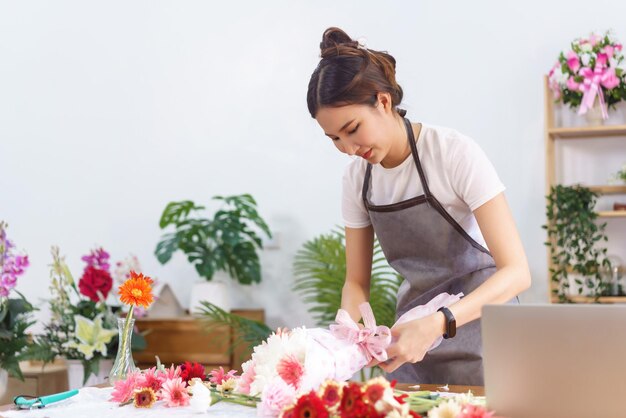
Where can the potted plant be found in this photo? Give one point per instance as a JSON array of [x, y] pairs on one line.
[[226, 242], [574, 238], [590, 76], [15, 312]]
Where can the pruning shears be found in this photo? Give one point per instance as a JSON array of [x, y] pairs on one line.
[[35, 402]]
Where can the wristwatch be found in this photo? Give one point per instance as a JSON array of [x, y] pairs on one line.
[[450, 322]]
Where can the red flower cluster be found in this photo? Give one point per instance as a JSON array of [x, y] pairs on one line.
[[350, 401], [95, 283], [190, 370]]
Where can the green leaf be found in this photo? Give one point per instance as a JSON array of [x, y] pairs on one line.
[[175, 212], [245, 331], [166, 247], [320, 268]]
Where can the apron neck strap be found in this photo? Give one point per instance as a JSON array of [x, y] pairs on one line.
[[416, 158]]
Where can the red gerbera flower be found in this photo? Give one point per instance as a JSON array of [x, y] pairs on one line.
[[190, 370], [310, 406], [353, 405]]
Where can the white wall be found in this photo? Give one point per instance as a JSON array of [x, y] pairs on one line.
[[109, 110]]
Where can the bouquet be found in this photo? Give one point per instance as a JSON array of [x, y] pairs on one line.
[[593, 68], [83, 326], [297, 362], [15, 313]]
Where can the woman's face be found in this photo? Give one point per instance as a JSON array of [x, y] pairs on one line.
[[360, 130]]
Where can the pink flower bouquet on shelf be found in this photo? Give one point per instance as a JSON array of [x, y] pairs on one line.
[[592, 69]]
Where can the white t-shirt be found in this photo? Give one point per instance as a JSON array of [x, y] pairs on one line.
[[459, 175]]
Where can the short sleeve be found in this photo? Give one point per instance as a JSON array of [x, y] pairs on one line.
[[352, 207], [473, 177]]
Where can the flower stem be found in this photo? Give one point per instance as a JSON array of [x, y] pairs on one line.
[[123, 343]]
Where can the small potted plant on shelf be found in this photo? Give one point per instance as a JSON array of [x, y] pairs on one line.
[[15, 312], [590, 76], [227, 242], [574, 238], [619, 178]]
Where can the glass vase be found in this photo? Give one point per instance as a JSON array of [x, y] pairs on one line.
[[124, 363]]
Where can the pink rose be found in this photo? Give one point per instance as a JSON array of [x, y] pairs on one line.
[[573, 62], [609, 80], [572, 84]]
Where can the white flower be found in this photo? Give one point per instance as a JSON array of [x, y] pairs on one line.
[[201, 399], [124, 267], [449, 409], [586, 47], [559, 77], [267, 355], [585, 58]]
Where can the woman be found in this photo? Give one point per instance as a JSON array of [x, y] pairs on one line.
[[433, 200]]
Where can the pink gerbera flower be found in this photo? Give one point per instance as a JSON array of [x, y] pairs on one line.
[[247, 377], [174, 392], [171, 373], [123, 390], [218, 376], [290, 370], [152, 379], [475, 411]]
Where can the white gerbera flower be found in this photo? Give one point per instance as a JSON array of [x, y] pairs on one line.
[[449, 409]]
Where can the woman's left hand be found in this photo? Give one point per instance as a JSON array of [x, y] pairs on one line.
[[412, 340]]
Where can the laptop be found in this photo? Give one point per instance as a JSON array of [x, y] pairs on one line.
[[553, 361]]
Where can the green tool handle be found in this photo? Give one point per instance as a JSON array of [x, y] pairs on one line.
[[45, 400], [42, 401]]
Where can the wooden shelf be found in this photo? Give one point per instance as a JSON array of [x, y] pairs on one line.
[[551, 135], [588, 299], [590, 132], [608, 189], [612, 214]]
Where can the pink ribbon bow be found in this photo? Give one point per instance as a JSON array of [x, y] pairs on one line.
[[593, 81], [372, 339]]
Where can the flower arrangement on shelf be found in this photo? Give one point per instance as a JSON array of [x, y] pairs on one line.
[[15, 312], [83, 325], [593, 68]]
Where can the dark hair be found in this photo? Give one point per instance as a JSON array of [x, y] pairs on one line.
[[349, 73]]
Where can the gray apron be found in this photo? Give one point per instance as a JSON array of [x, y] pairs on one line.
[[433, 254]]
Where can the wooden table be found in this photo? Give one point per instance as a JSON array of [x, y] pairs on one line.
[[476, 390]]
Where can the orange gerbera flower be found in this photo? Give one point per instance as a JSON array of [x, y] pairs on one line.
[[137, 290]]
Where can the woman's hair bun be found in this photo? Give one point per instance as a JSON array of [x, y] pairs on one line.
[[333, 40]]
